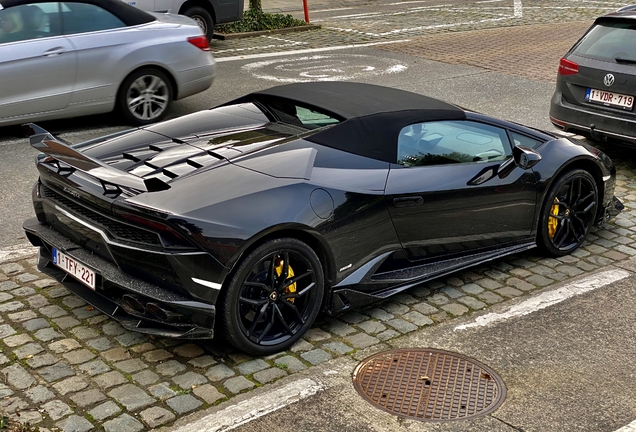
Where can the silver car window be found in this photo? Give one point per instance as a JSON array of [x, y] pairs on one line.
[[29, 21], [84, 17]]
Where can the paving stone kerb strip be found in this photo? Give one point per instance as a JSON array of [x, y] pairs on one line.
[[529, 51]]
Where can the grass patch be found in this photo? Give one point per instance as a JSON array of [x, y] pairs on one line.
[[257, 20], [8, 425]]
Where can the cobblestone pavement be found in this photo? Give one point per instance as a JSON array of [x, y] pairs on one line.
[[65, 366], [391, 21]]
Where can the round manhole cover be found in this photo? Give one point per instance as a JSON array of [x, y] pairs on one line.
[[429, 384]]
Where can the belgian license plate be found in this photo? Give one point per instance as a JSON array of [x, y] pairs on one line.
[[75, 268], [609, 98]]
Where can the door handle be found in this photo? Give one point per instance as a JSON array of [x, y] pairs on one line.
[[54, 51], [408, 201]]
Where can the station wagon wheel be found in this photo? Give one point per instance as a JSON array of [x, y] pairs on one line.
[[144, 96], [203, 19], [273, 298], [568, 213]]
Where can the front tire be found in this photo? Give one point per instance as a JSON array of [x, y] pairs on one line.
[[568, 212], [203, 19], [144, 96], [273, 298]]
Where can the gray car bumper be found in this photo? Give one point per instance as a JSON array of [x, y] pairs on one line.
[[591, 121]]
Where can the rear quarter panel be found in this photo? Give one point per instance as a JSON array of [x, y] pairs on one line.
[[229, 209]]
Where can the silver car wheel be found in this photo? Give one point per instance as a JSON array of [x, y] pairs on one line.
[[203, 18], [148, 97], [201, 22]]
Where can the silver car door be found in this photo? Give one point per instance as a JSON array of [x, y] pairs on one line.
[[100, 40], [37, 64]]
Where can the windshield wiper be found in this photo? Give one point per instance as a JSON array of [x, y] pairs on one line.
[[624, 60]]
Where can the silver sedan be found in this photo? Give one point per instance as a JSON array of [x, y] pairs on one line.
[[81, 57]]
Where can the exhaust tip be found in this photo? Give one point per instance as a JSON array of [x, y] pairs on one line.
[[162, 313], [131, 302]]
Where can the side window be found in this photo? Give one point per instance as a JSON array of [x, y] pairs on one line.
[[525, 141], [29, 21], [451, 142], [84, 17]]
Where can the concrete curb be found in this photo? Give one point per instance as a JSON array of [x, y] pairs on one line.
[[231, 36], [17, 252]]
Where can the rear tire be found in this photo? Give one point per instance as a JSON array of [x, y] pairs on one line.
[[568, 212], [144, 96], [273, 298], [203, 19]]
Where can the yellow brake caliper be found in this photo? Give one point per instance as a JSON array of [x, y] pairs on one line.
[[553, 222], [290, 274]]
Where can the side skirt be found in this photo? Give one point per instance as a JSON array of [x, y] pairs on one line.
[[347, 297]]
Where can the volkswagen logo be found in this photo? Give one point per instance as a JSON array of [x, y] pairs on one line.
[[608, 80]]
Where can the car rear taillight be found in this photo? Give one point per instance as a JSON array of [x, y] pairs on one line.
[[558, 123], [168, 235], [200, 42], [567, 67]]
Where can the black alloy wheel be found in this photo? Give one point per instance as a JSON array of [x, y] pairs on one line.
[[273, 298], [144, 96], [569, 212], [203, 18]]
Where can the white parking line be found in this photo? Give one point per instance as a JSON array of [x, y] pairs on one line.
[[306, 51], [550, 298], [628, 428], [255, 407]]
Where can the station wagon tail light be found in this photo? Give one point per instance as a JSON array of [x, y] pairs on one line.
[[567, 67], [200, 42]]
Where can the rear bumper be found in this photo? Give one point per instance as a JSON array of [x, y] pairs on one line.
[[580, 119], [121, 296], [195, 79]]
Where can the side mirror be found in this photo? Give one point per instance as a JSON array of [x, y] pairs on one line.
[[525, 157]]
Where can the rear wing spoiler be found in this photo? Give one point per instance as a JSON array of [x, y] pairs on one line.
[[62, 151]]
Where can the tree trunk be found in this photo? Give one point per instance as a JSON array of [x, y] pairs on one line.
[[255, 5]]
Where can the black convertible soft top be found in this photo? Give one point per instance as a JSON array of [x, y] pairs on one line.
[[371, 116], [130, 15]]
